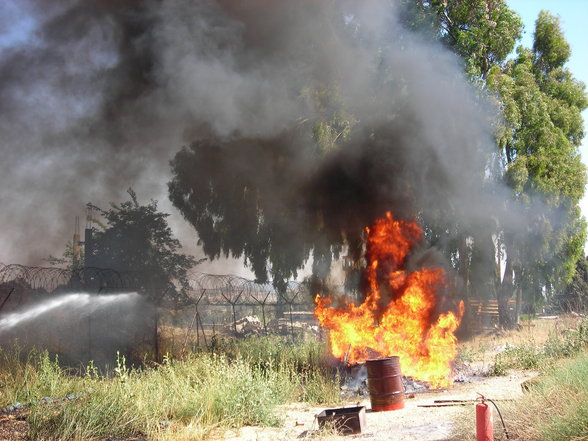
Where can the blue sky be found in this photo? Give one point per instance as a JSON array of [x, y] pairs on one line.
[[574, 22]]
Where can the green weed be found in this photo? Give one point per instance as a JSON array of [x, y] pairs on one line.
[[26, 378], [238, 383]]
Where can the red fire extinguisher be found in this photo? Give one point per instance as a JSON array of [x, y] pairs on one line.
[[484, 422]]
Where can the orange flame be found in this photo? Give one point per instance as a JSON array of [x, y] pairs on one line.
[[398, 314]]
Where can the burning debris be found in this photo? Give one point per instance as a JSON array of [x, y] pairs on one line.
[[400, 315]]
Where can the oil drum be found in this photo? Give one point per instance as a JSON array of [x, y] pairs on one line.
[[385, 384]]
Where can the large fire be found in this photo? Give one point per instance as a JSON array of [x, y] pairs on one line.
[[398, 315]]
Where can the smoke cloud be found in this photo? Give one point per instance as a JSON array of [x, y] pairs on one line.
[[97, 96]]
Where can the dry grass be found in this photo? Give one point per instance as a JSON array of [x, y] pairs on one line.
[[554, 409], [241, 383], [556, 405], [484, 347]]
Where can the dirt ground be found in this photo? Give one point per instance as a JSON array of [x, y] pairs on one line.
[[13, 426], [413, 423]]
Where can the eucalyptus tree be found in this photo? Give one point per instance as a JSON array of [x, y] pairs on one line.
[[483, 33], [540, 104], [538, 145]]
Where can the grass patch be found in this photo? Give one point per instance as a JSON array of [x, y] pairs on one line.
[[524, 357], [237, 383], [307, 364], [559, 344], [26, 378], [555, 408]]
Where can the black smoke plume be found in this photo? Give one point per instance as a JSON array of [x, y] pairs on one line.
[[98, 96]]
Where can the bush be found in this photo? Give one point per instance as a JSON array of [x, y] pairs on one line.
[[517, 357]]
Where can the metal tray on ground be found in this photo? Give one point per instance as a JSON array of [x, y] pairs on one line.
[[346, 420]]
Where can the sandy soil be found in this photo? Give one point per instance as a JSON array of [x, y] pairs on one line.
[[413, 423]]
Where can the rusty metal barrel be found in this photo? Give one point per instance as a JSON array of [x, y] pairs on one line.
[[385, 384]]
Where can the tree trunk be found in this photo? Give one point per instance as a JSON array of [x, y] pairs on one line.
[[156, 335], [505, 293], [464, 274], [463, 268], [518, 306]]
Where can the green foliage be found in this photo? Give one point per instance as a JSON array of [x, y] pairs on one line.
[[334, 123], [465, 355], [27, 378], [517, 174], [572, 342], [549, 44], [138, 240], [317, 382], [565, 395], [483, 33], [238, 383], [96, 414], [517, 357], [319, 387], [67, 258], [275, 350], [538, 142]]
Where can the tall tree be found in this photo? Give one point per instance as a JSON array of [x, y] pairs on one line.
[[538, 144], [541, 105], [483, 33]]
